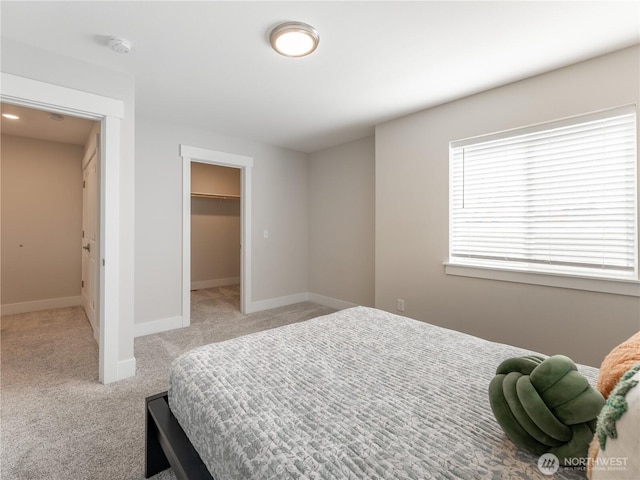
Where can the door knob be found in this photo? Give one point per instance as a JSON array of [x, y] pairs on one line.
[[87, 247]]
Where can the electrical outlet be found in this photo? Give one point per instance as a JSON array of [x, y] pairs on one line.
[[401, 305]]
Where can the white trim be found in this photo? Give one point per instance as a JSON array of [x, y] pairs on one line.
[[28, 92], [156, 326], [246, 189], [109, 250], [186, 241], [331, 302], [213, 156], [38, 305], [216, 282], [172, 323], [127, 368], [277, 302], [190, 154], [618, 287]]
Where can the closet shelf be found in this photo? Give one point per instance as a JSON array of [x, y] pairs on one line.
[[215, 196]]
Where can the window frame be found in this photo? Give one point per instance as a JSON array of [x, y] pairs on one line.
[[538, 276]]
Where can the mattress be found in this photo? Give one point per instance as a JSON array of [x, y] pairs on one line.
[[358, 394]]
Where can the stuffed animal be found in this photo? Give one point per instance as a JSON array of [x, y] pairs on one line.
[[617, 362], [614, 453], [621, 359]]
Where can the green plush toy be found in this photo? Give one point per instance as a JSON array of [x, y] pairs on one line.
[[545, 405]]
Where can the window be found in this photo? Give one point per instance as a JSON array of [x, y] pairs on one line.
[[556, 198]]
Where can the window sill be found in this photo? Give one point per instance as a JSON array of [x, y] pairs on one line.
[[617, 287]]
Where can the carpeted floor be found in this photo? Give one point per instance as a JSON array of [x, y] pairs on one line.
[[58, 422]]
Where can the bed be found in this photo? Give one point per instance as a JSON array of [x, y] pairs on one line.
[[358, 394]]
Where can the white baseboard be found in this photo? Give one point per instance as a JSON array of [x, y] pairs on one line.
[[37, 305], [331, 302], [156, 326], [172, 323], [277, 302], [297, 298], [126, 368], [216, 282]]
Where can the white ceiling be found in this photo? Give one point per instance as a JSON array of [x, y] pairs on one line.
[[209, 64]]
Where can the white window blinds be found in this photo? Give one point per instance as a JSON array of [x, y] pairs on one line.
[[558, 197]]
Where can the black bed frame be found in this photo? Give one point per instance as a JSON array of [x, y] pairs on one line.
[[166, 444]]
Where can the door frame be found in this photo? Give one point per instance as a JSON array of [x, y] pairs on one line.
[[190, 154], [109, 112]]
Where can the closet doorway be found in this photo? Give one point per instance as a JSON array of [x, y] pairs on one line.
[[215, 234], [211, 197]]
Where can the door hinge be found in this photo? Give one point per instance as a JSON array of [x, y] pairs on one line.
[[82, 283], [84, 184]]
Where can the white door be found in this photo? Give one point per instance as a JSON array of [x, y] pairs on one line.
[[90, 239]]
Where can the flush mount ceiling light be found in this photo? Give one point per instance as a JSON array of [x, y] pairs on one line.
[[294, 39], [10, 116]]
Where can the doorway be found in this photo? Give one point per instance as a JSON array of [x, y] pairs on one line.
[[215, 235], [44, 206], [189, 155], [23, 91]]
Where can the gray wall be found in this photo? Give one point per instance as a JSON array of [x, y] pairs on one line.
[[341, 222], [279, 204], [412, 217]]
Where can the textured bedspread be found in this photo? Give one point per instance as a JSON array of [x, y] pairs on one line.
[[359, 394]]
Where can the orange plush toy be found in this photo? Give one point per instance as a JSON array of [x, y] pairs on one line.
[[619, 360]]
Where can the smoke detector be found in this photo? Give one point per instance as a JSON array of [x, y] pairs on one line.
[[119, 45]]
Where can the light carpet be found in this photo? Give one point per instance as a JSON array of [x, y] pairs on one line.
[[58, 422]]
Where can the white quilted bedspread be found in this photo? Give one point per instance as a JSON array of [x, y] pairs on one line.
[[359, 394]]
